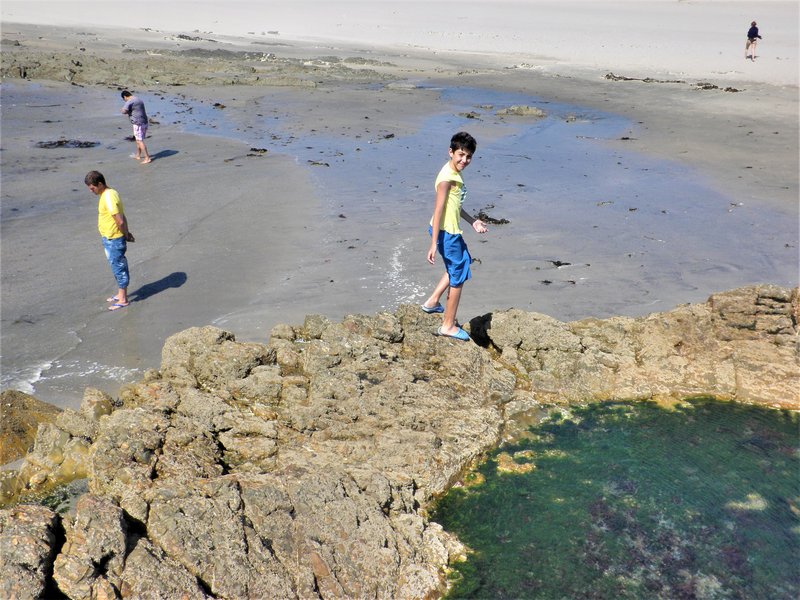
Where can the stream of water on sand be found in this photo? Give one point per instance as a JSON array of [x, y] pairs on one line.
[[594, 227], [634, 500]]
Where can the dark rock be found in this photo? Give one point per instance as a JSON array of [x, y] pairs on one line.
[[67, 144], [483, 216]]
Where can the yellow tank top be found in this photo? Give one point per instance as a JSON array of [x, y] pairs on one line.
[[452, 204]]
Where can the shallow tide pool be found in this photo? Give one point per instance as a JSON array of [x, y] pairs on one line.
[[634, 500]]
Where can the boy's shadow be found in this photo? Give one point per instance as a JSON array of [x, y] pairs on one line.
[[479, 330], [163, 154], [173, 280]]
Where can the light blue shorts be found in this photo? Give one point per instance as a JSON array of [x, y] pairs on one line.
[[455, 254], [139, 132]]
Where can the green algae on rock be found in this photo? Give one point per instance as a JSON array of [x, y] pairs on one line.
[[634, 500]]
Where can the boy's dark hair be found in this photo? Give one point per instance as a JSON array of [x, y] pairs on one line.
[[94, 178], [463, 141], [126, 94]]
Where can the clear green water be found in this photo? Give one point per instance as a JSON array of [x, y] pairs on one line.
[[632, 500]]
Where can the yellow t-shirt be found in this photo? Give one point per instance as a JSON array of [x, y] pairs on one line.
[[109, 205], [452, 204]]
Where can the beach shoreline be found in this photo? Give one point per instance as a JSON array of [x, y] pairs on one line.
[[322, 239], [659, 37]]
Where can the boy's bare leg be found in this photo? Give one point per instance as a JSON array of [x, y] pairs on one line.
[[141, 148], [449, 319], [440, 289], [121, 296]]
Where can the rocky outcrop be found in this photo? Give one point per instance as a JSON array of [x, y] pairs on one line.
[[163, 66], [61, 449], [740, 345], [302, 468]]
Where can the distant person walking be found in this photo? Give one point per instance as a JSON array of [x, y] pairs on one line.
[[113, 227], [752, 41], [134, 108]]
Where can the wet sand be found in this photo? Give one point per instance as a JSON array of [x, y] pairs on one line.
[[656, 194]]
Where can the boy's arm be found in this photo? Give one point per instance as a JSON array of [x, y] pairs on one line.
[[478, 225], [438, 211], [122, 223]]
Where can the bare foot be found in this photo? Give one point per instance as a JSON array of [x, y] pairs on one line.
[[147, 160]]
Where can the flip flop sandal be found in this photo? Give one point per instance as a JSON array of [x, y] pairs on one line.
[[459, 335], [432, 309]]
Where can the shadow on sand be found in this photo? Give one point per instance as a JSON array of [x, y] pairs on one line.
[[173, 280], [163, 154]]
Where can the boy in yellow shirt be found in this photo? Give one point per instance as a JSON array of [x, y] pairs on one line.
[[113, 227], [446, 235]]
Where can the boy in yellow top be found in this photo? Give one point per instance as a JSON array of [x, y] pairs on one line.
[[113, 227], [446, 234]]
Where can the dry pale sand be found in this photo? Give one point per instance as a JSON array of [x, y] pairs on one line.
[[655, 193]]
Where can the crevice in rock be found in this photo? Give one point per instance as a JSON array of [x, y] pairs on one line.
[[226, 468], [51, 590], [136, 530], [101, 566], [205, 587]]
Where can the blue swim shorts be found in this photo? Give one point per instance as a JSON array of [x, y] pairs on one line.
[[456, 256]]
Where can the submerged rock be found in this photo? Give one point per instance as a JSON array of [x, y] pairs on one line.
[[303, 467], [522, 110]]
